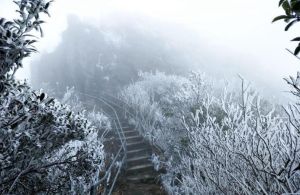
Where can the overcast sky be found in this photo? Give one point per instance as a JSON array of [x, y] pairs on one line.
[[241, 28]]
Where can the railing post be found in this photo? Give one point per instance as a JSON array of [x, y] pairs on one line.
[[117, 123]]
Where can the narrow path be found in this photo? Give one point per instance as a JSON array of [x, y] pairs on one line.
[[139, 177]]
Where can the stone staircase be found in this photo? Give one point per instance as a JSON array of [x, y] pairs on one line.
[[139, 167], [139, 177]]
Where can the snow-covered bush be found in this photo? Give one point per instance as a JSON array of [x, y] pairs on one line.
[[160, 102], [218, 142], [45, 148], [97, 119], [155, 100], [16, 39], [247, 152]]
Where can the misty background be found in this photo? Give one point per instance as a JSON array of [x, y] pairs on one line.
[[106, 43]]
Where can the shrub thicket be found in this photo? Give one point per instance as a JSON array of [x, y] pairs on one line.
[[45, 148], [220, 143]]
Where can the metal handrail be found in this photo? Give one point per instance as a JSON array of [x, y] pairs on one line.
[[122, 138], [118, 100], [116, 121], [132, 115]]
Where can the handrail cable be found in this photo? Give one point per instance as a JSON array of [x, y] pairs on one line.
[[122, 138]]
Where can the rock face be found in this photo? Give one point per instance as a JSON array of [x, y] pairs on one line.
[[139, 177]]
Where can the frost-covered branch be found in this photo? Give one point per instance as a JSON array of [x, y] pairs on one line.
[[234, 143]]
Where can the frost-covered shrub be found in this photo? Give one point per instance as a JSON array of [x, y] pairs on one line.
[[16, 39], [97, 119], [160, 102], [247, 152], [45, 147], [228, 142], [155, 100]]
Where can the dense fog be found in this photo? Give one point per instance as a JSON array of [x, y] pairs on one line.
[[222, 40], [149, 97], [109, 57]]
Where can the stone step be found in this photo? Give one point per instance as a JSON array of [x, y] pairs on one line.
[[137, 145], [138, 160], [128, 129], [138, 152], [135, 138], [130, 133], [122, 122], [140, 169], [146, 178]]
